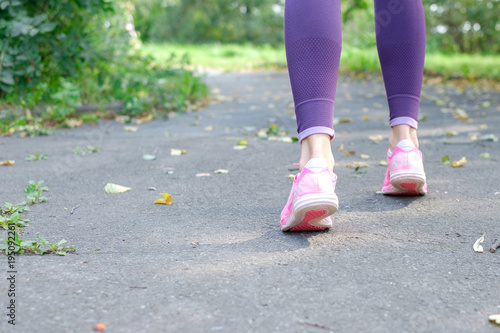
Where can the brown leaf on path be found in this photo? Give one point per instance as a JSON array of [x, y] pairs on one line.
[[166, 200], [340, 147], [178, 152], [348, 152], [7, 162]]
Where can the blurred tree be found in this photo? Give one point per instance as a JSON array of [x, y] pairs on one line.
[[452, 25]]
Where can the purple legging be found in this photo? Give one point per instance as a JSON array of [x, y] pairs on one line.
[[313, 41]]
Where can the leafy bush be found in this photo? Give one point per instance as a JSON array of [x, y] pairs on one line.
[[65, 53]]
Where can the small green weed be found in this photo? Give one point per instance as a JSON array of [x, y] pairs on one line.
[[42, 247], [88, 150], [37, 157], [35, 192], [14, 219]]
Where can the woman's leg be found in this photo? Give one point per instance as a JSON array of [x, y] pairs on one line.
[[313, 41], [400, 31]]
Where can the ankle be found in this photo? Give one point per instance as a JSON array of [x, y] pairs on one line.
[[402, 132], [316, 146]]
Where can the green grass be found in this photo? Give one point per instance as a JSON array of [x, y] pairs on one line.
[[234, 57]]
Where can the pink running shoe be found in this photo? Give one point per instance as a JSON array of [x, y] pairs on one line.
[[405, 171], [312, 199]]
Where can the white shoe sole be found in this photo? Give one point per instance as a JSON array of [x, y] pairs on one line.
[[312, 202]]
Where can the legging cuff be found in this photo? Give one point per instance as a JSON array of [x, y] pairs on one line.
[[316, 130], [404, 121]]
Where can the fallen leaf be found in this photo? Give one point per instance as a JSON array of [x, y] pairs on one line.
[[340, 147], [489, 137], [423, 118], [483, 126], [494, 319], [144, 119], [445, 159], [348, 153], [240, 147], [178, 152], [131, 128], [378, 105], [477, 245], [345, 120], [364, 156], [461, 115], [151, 188], [262, 133], [122, 119], [451, 133], [209, 128], [486, 104], [243, 142], [168, 134], [376, 138], [290, 176], [383, 162], [294, 139], [439, 102], [285, 139], [357, 165], [203, 174], [166, 200], [484, 155], [100, 327], [473, 137], [366, 118], [114, 188], [73, 122], [148, 157], [7, 162], [221, 171], [460, 163]]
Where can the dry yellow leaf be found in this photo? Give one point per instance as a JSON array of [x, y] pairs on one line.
[[243, 142], [383, 162], [365, 117], [348, 153], [114, 188], [7, 162], [376, 138], [495, 319], [364, 156], [341, 147], [461, 115], [477, 245], [345, 120], [73, 122], [460, 163], [290, 176], [483, 126], [166, 200], [131, 128], [178, 152]]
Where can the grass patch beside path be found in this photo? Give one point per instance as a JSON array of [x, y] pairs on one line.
[[232, 57]]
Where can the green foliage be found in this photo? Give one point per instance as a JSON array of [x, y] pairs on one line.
[[59, 54], [452, 25], [37, 157], [42, 247], [254, 21], [34, 192]]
